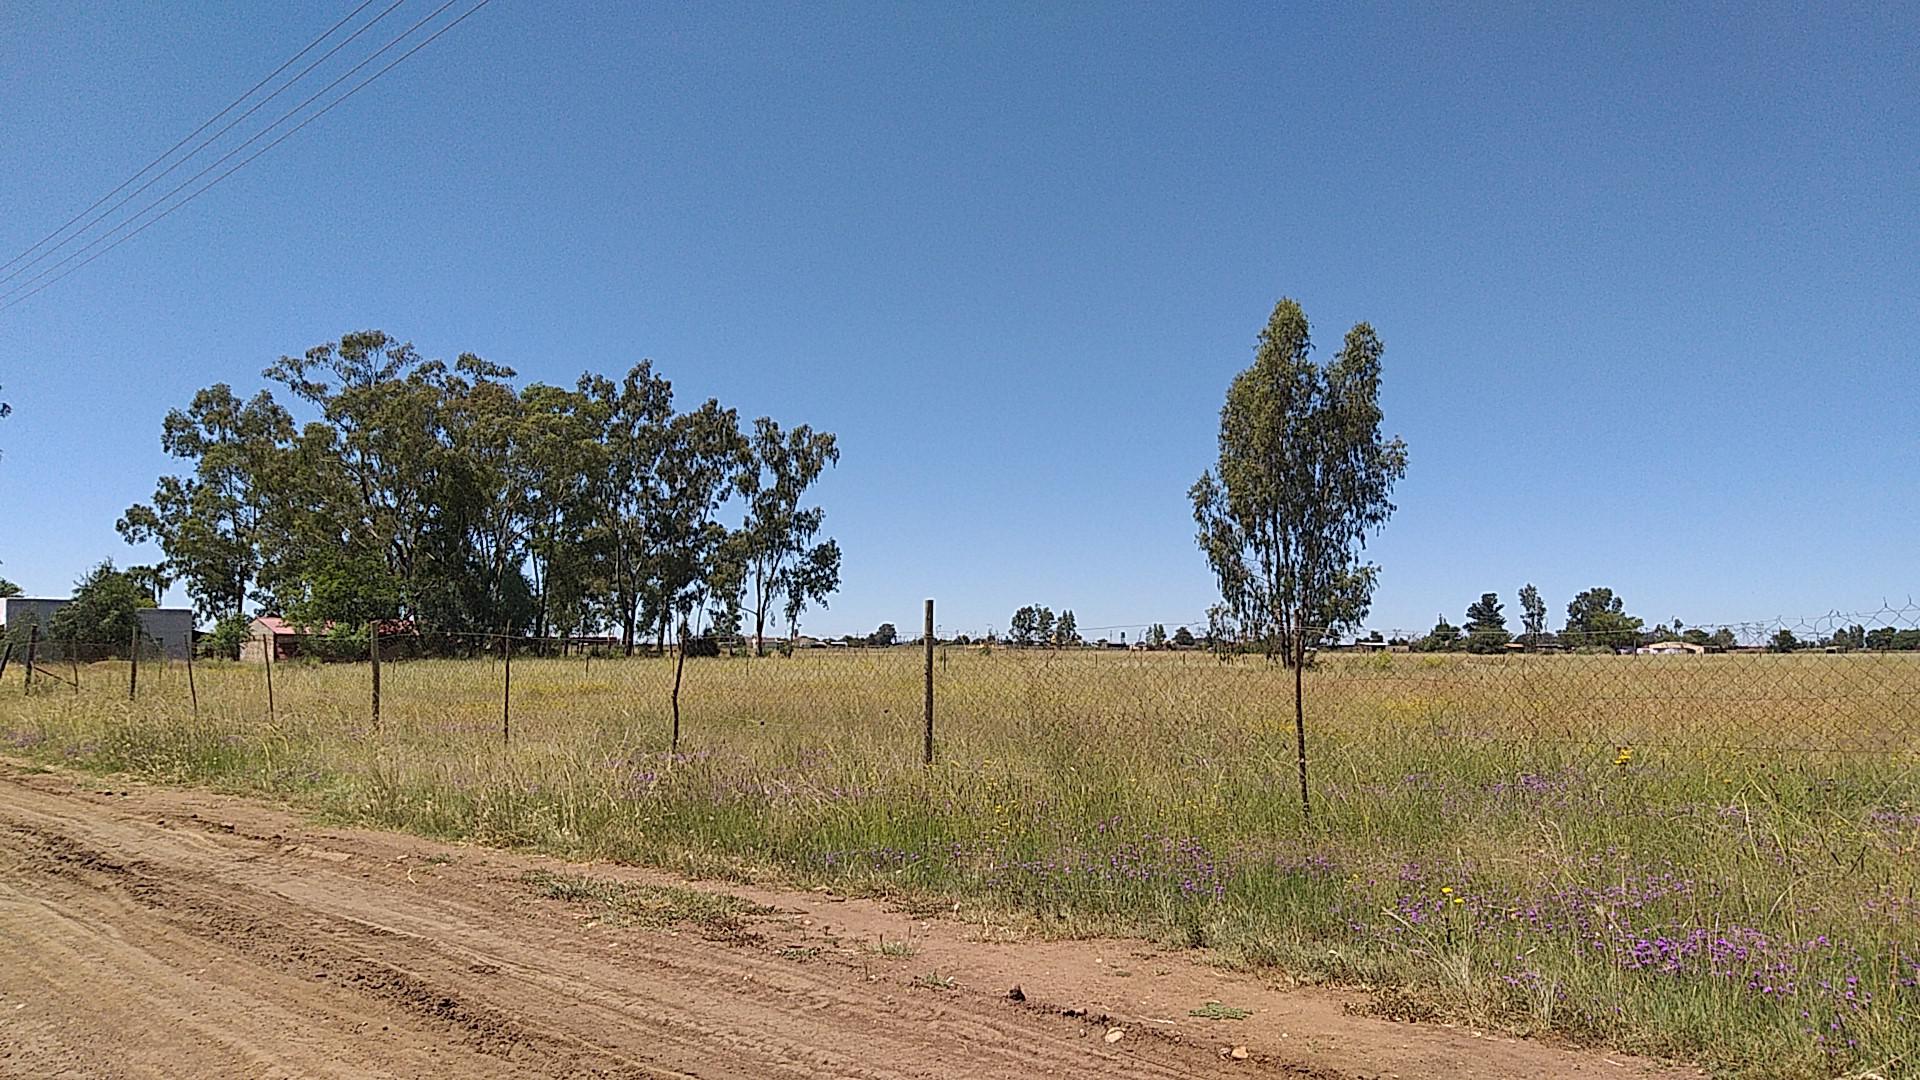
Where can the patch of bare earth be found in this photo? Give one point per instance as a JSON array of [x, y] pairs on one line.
[[151, 932]]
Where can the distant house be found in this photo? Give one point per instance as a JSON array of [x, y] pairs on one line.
[[286, 639], [169, 628], [1672, 648], [398, 637]]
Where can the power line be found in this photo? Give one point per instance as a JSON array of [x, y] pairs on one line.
[[96, 241], [17, 297], [231, 105]]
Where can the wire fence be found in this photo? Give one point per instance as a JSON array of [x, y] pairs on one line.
[[1842, 683]]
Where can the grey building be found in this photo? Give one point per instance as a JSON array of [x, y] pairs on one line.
[[169, 628]]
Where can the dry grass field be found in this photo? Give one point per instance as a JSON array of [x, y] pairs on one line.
[[1713, 858]]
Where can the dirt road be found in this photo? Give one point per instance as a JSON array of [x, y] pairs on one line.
[[148, 932]]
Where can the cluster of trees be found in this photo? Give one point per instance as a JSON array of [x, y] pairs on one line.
[[1850, 639], [1157, 637], [1596, 619], [444, 495], [1037, 625]]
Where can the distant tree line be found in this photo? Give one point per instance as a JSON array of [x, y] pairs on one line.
[[1597, 621], [445, 496]]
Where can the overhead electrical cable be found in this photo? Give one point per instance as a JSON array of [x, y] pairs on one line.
[[41, 281], [209, 140]]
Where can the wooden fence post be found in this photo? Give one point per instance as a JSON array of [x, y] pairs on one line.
[[373, 651], [267, 643], [6, 654], [33, 649], [506, 690], [679, 668], [193, 691], [927, 751]]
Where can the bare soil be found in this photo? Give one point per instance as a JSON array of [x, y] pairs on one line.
[[152, 932]]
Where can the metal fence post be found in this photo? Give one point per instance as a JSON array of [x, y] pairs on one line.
[[927, 750], [6, 654], [506, 689], [33, 649], [133, 666]]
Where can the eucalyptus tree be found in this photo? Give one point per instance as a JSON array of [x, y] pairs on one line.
[[699, 469], [781, 559], [811, 580], [634, 417], [209, 523], [1533, 614], [486, 506], [1304, 477], [366, 484], [560, 455]]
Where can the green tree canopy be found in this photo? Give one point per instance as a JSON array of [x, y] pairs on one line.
[[1444, 637], [1533, 614], [1303, 478], [781, 560], [1033, 624], [1596, 618], [104, 611], [441, 494], [1486, 625], [209, 523]]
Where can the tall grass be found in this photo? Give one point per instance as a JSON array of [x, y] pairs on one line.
[[1558, 847]]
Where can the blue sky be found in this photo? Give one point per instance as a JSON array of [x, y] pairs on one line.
[[1646, 275]]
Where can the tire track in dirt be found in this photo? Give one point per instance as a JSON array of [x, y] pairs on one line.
[[165, 933]]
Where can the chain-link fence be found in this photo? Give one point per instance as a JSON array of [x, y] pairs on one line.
[[1839, 684]]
